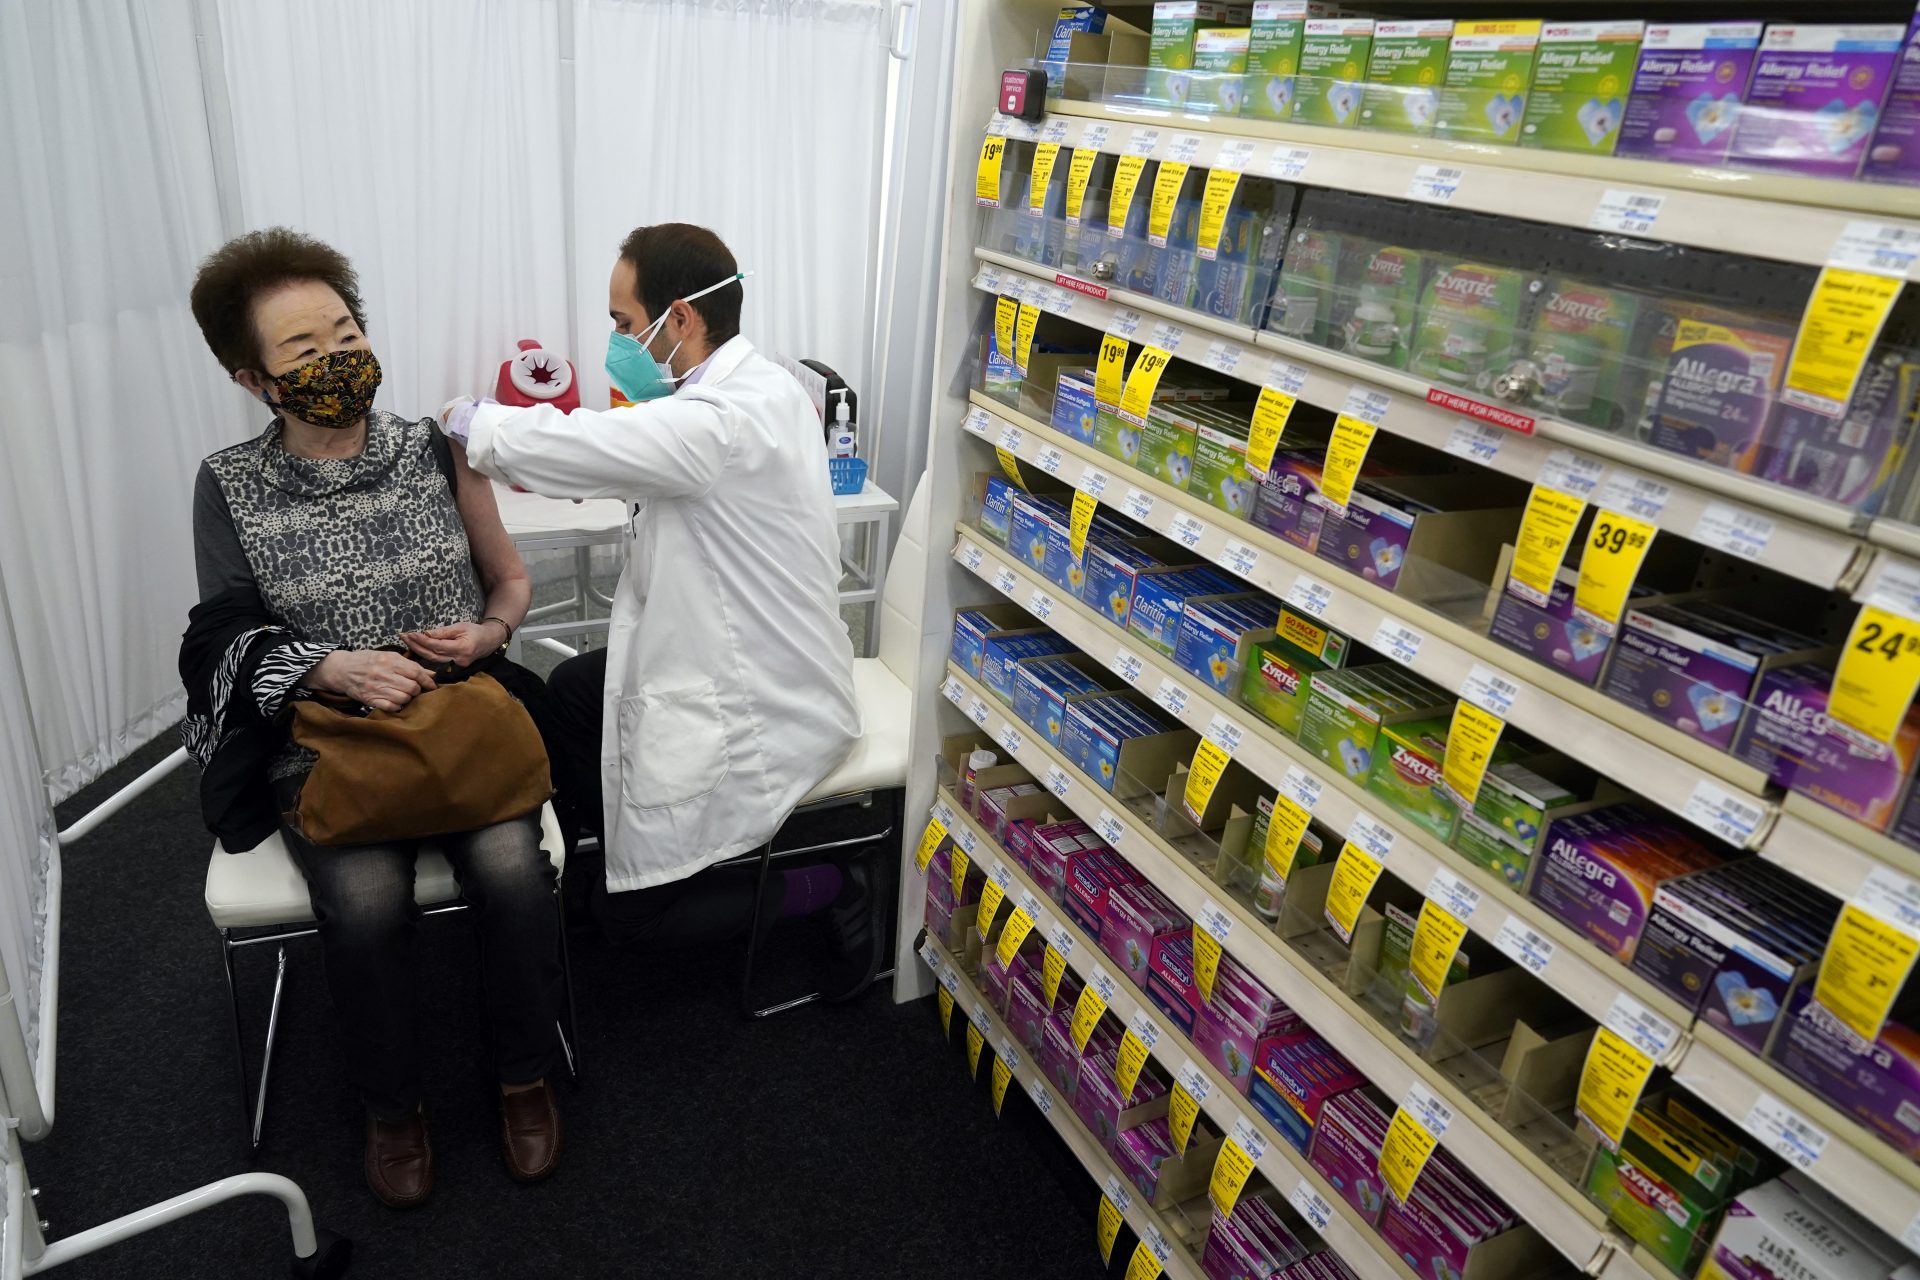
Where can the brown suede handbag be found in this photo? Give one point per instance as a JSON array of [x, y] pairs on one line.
[[459, 757]]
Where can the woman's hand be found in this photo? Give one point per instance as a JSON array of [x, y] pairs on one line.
[[381, 679], [462, 643]]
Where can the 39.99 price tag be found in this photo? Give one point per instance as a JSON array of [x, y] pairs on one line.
[[1610, 560]]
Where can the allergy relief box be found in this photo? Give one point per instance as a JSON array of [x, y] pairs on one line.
[[1170, 51], [1489, 69], [1509, 818], [1404, 73], [971, 627], [1273, 55], [1042, 686], [1108, 734], [1687, 89], [1346, 708], [1814, 98], [1001, 652], [1217, 635], [1580, 82], [1346, 1151], [1894, 155], [1160, 600], [1333, 66]]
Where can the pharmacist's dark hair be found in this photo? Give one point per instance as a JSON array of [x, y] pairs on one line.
[[674, 259], [241, 271]]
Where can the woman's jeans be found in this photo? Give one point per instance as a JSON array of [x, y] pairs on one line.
[[363, 899]]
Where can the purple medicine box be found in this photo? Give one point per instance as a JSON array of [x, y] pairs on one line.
[[1814, 100], [1878, 1084], [1686, 91], [1694, 666], [1894, 155], [1554, 635], [1346, 1151], [1788, 735]]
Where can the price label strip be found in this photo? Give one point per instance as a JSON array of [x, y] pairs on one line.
[[1867, 962], [1285, 827], [1610, 560], [1843, 319], [1523, 946], [1079, 171], [1545, 530], [1470, 745], [1190, 1089], [1353, 879], [1436, 940], [1094, 998], [1231, 1169], [1346, 452], [1789, 1133], [1027, 321], [1203, 776], [1615, 1075], [986, 175], [1270, 414], [1311, 1205], [1878, 673], [1002, 1074], [1215, 200], [946, 1010]]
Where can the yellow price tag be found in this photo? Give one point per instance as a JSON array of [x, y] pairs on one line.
[[1142, 382], [1166, 194], [1206, 962], [1844, 316], [1214, 203], [1270, 414], [1086, 1016], [1084, 505], [1470, 744], [1404, 1153], [1353, 880], [1028, 321], [1109, 373], [1230, 1173], [1182, 1111], [974, 1041], [929, 844], [1126, 180], [1866, 964], [1436, 940], [1044, 156], [1616, 547], [1006, 312], [1079, 170], [1611, 1084], [1002, 1074], [946, 1010], [1878, 672], [960, 862], [1143, 1265], [986, 178], [1285, 827], [991, 896], [1010, 466], [1545, 530], [1053, 967], [1203, 776], [1019, 925], [1108, 1228], [1127, 1065], [1345, 454]]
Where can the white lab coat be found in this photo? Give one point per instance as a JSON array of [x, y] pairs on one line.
[[729, 672]]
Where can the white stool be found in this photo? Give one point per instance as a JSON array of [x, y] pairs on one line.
[[877, 766], [262, 893]]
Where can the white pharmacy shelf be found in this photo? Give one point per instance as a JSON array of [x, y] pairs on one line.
[[1147, 1224], [1867, 1175], [1671, 769], [1571, 1224], [1764, 524], [1828, 849], [1763, 215], [1483, 901], [1364, 1252]]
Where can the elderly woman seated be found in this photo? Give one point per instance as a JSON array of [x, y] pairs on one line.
[[349, 555]]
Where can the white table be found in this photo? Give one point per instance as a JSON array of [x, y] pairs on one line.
[[534, 523]]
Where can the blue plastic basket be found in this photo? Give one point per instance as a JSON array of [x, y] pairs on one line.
[[849, 475]]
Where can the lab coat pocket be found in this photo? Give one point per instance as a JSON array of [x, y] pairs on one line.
[[675, 745]]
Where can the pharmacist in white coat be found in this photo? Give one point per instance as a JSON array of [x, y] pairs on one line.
[[725, 692]]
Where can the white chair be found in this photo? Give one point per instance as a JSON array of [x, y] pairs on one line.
[[876, 770], [260, 898]]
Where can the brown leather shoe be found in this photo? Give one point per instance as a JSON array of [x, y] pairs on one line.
[[399, 1160], [530, 1132]]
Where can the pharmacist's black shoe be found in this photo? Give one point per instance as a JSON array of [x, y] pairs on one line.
[[857, 942]]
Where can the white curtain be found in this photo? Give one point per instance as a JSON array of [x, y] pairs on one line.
[[758, 118], [424, 141], [26, 842], [107, 398]]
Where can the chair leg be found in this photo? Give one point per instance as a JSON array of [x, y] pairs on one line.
[[273, 1029], [753, 929], [239, 1039], [570, 1034]]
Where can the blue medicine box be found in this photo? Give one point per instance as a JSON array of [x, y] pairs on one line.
[[1160, 600], [996, 508], [1217, 632], [1001, 652], [1112, 570], [971, 627], [1041, 687], [1074, 410], [1097, 728], [1038, 536]]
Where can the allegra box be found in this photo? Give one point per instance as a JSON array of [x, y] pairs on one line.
[[1789, 736], [1687, 90], [1877, 1084], [1599, 870]]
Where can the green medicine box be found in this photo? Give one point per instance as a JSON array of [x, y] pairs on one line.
[[1333, 71], [1469, 314], [1404, 74], [1489, 68], [1219, 70], [1662, 1187], [1273, 55], [1504, 829], [1406, 773], [1376, 299], [1220, 475], [1166, 444], [1580, 83], [1346, 708], [1170, 47], [1280, 671]]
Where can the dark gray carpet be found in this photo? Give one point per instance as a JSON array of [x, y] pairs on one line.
[[828, 1142]]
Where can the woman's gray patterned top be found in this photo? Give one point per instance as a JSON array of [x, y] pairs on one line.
[[346, 553]]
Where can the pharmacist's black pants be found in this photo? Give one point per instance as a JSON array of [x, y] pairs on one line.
[[711, 906]]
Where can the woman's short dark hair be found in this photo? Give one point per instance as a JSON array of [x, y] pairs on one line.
[[674, 259], [236, 274]]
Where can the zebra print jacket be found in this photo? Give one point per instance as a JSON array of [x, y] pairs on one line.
[[230, 643]]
